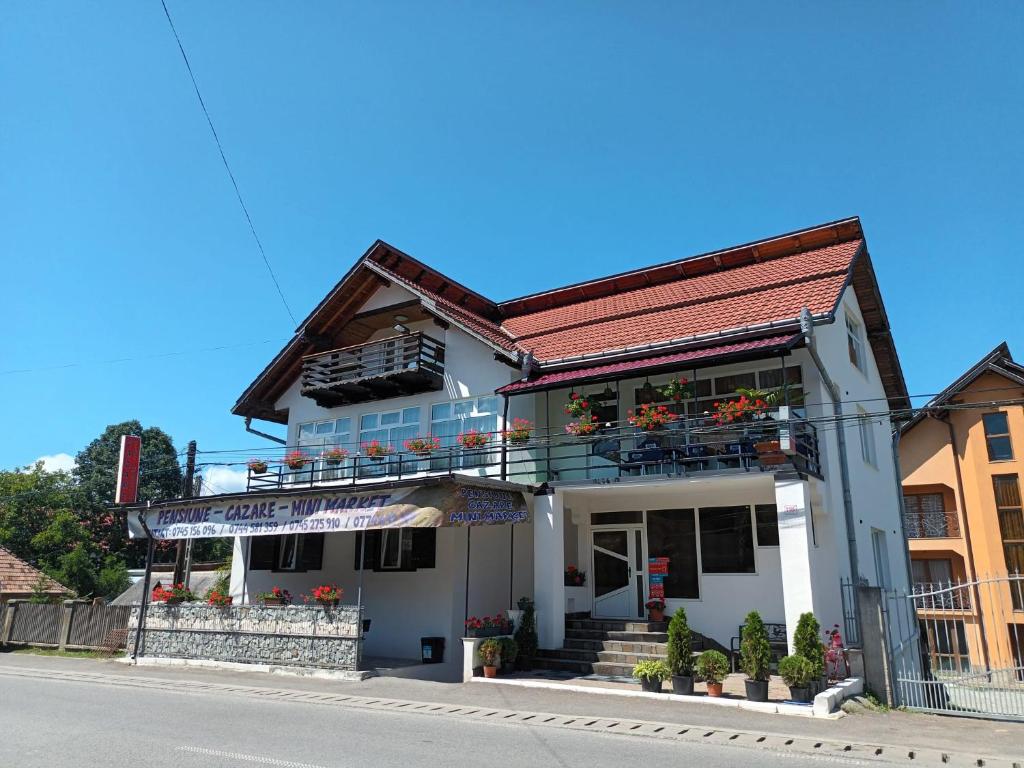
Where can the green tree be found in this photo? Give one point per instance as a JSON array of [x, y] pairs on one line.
[[112, 579], [29, 497], [680, 650], [807, 642], [755, 652]]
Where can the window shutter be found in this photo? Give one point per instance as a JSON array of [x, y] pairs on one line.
[[312, 553], [372, 555], [423, 553], [262, 553]]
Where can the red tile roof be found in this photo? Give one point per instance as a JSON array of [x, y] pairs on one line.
[[18, 578], [597, 372]]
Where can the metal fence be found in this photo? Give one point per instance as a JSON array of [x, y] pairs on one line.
[[958, 647], [97, 626], [72, 624], [35, 624]]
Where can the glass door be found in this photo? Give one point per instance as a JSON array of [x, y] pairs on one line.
[[619, 569]]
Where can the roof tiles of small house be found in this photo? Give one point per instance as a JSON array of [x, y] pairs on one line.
[[18, 577]]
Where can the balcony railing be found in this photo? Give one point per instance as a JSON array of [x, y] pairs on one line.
[[399, 365], [615, 452], [941, 596], [931, 525]]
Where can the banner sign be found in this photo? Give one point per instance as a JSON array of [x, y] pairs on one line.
[[657, 569], [328, 511], [127, 491]]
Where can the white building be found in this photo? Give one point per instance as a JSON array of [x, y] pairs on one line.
[[397, 351]]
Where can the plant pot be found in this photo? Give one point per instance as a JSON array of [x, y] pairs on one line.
[[652, 685], [682, 685], [296, 466], [802, 695], [273, 601], [376, 459], [654, 614], [518, 441], [769, 452], [757, 690], [714, 689], [258, 469], [328, 603], [490, 671], [333, 462]]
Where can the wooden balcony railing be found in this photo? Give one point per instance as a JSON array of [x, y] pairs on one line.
[[392, 367]]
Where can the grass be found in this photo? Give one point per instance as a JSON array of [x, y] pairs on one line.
[[65, 654]]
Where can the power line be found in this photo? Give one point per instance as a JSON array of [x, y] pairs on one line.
[[227, 167]]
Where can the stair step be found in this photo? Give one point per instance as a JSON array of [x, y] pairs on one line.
[[613, 669], [616, 646], [615, 657], [561, 665], [601, 634], [616, 625], [572, 654]]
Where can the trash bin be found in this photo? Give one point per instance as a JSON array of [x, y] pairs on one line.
[[432, 650]]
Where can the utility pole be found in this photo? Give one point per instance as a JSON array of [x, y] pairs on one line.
[[187, 492]]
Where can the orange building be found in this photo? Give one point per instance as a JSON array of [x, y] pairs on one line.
[[962, 459]]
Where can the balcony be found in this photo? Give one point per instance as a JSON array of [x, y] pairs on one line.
[[941, 596], [614, 452], [931, 525], [392, 367]]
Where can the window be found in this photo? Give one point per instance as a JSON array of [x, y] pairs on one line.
[[672, 533], [767, 516], [397, 549], [997, 436], [316, 436], [946, 645], [855, 341], [925, 517], [867, 438], [932, 571], [726, 540], [881, 552], [1011, 528], [389, 428], [295, 552], [449, 420]]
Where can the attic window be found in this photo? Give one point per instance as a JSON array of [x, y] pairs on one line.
[[855, 340]]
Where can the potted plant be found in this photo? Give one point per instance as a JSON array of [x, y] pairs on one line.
[[577, 406], [490, 654], [526, 633], [651, 673], [574, 577], [296, 460], [334, 456], [276, 596], [473, 439], [587, 425], [651, 418], [219, 599], [376, 450], [655, 609], [519, 433], [755, 656], [797, 672], [509, 652], [422, 446], [325, 594], [712, 666], [258, 466], [678, 389], [680, 653], [806, 643], [178, 593]]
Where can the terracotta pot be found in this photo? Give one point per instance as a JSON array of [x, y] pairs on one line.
[[490, 671], [714, 689], [655, 614], [258, 469]]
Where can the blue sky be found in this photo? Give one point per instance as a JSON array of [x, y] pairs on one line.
[[514, 146]]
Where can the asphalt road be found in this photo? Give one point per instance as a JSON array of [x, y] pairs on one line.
[[55, 723]]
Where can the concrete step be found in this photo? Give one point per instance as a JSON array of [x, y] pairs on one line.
[[601, 634], [613, 669], [616, 625], [616, 646], [627, 659], [572, 654], [562, 665]]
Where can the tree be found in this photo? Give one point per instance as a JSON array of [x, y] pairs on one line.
[[113, 578], [807, 642], [755, 652], [29, 497], [680, 645]]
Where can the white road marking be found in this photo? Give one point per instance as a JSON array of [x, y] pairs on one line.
[[242, 757]]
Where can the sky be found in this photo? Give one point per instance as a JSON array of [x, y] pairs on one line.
[[513, 146]]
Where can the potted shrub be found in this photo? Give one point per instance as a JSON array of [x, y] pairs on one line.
[[526, 633], [797, 672], [806, 643], [755, 656], [334, 456], [258, 466], [376, 450], [296, 460], [519, 433], [325, 594], [651, 418], [680, 653], [490, 654], [574, 577], [712, 666], [276, 596], [219, 599], [509, 652], [577, 406], [587, 425], [678, 389], [655, 609], [473, 439], [651, 673], [422, 446]]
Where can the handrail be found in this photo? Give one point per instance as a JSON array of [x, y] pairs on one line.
[[372, 343]]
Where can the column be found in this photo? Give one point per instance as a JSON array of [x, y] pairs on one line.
[[549, 569], [796, 543]]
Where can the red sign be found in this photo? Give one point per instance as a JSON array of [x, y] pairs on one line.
[[128, 470]]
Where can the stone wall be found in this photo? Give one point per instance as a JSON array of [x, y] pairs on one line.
[[297, 635]]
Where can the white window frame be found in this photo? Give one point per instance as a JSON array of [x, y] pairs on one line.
[[473, 457], [401, 534], [855, 343], [868, 448]]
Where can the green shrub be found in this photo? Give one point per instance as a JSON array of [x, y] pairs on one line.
[[796, 670], [509, 650], [712, 666], [526, 632], [755, 653], [680, 651], [490, 652], [807, 643], [651, 670]]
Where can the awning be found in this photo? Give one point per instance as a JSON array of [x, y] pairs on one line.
[[432, 503], [614, 370]]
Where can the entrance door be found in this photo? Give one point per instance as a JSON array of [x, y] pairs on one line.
[[619, 571]]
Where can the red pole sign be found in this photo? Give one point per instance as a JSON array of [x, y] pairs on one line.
[[128, 470]]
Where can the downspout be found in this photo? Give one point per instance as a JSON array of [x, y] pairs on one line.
[[807, 327], [251, 431]]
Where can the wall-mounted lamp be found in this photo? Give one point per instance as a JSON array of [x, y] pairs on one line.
[[401, 328]]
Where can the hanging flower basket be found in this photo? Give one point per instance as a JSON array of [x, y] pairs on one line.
[[519, 433], [297, 460], [422, 446], [334, 456], [376, 451], [258, 466], [473, 439], [587, 425], [678, 389], [577, 405]]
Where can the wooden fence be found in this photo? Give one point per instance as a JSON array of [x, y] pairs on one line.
[[73, 624]]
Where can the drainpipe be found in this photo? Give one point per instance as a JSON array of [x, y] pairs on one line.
[[807, 327], [251, 431]]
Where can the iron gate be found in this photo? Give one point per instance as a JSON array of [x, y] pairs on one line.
[[958, 647]]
